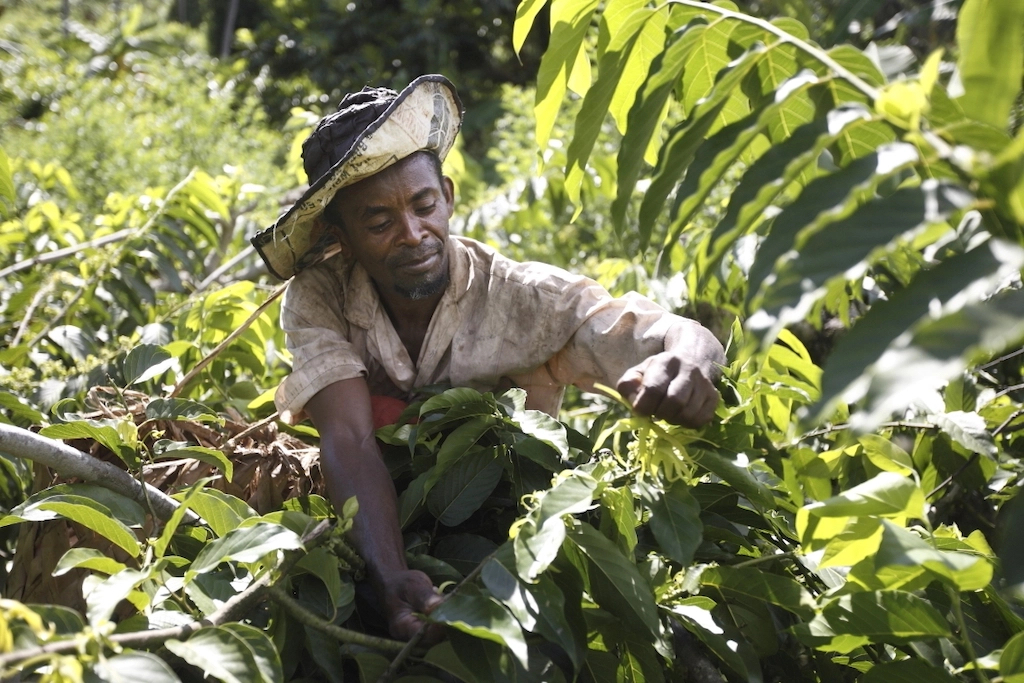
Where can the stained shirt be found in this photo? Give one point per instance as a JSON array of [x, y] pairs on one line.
[[500, 323]]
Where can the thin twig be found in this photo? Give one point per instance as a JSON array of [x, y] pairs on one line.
[[232, 610], [58, 254], [251, 428], [234, 261], [344, 635], [201, 365], [999, 360], [30, 311], [948, 480], [763, 559]]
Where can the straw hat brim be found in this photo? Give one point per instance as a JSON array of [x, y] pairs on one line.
[[426, 115]]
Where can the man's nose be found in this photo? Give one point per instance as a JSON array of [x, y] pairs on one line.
[[413, 230]]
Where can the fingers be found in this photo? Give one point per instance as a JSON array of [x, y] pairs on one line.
[[667, 388], [407, 596]]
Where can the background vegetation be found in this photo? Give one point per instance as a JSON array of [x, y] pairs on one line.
[[835, 188]]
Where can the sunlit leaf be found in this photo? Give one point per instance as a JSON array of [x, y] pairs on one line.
[[991, 62], [130, 667], [675, 520], [247, 544], [234, 653], [479, 615], [753, 583]]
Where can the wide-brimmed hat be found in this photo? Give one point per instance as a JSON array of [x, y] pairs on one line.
[[371, 130]]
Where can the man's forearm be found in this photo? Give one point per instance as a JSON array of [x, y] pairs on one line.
[[356, 469]]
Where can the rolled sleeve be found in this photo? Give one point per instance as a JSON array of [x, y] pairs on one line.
[[321, 352]]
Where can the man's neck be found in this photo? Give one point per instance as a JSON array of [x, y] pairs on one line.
[[410, 318]]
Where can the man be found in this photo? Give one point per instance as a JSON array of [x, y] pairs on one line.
[[406, 305]]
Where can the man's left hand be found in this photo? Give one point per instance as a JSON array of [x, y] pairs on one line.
[[672, 388]]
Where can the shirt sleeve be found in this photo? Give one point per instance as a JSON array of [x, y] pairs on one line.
[[315, 333], [614, 335]]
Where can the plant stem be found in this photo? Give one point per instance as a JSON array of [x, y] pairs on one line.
[[344, 635], [201, 365], [764, 558]]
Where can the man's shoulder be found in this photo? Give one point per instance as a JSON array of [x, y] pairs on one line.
[[316, 282]]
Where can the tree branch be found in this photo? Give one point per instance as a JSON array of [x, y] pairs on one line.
[[71, 462]]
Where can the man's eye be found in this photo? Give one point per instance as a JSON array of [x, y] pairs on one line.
[[426, 209], [378, 228]]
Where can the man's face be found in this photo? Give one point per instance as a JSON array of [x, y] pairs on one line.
[[395, 224]]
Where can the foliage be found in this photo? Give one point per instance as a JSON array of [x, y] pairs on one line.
[[856, 519]]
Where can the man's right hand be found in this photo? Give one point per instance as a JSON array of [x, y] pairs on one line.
[[406, 594]]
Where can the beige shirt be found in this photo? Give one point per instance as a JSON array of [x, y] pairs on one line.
[[499, 324]]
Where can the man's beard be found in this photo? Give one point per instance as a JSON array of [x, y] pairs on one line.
[[427, 284]]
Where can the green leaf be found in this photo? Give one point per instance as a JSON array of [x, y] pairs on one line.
[[464, 487], [146, 361], [86, 558], [616, 584], [976, 272], [991, 62], [131, 667], [247, 544], [846, 245], [828, 193], [684, 141], [538, 540], [881, 616], [737, 476], [1011, 662], [105, 595], [728, 646], [444, 658], [160, 546], [618, 512], [6, 180], [108, 433], [324, 566], [887, 494], [371, 666], [545, 428], [410, 502], [180, 409], [750, 582], [706, 61], [675, 521], [85, 511], [20, 410], [720, 152], [614, 81], [482, 616], [222, 511], [526, 12], [646, 114], [234, 653], [960, 570], [967, 429], [570, 20], [457, 445], [941, 349], [907, 671], [63, 620], [211, 456], [539, 607]]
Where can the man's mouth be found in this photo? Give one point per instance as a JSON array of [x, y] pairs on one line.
[[420, 259]]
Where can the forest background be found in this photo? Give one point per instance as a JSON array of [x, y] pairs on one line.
[[834, 187]]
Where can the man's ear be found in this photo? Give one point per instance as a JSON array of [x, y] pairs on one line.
[[448, 188], [336, 230]]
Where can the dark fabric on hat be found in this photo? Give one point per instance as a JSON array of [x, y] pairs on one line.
[[335, 134]]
